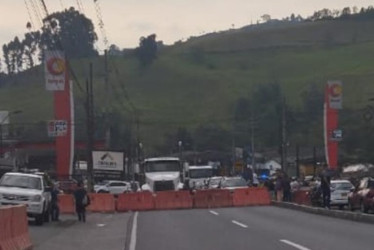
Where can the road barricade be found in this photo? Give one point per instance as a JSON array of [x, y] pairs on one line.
[[301, 197], [139, 201], [14, 232], [173, 200], [212, 198], [101, 203], [66, 203], [251, 197]]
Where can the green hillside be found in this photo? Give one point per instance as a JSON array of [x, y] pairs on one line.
[[200, 81]]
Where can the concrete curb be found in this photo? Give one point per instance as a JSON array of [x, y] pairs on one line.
[[359, 217]]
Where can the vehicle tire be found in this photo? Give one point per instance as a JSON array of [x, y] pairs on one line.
[[364, 209], [341, 207], [101, 191], [39, 219], [350, 206]]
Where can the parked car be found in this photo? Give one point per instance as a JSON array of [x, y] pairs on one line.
[[232, 183], [362, 197], [31, 190], [113, 187], [339, 192], [214, 182]]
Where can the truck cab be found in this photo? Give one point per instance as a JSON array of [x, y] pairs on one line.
[[161, 174], [198, 176]]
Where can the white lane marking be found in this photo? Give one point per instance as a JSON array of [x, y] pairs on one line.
[[100, 225], [213, 212], [133, 232], [239, 224], [300, 247]]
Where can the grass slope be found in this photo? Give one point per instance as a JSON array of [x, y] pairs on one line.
[[199, 81]]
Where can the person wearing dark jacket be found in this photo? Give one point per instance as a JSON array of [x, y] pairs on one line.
[[286, 184], [326, 192], [55, 210], [81, 202]]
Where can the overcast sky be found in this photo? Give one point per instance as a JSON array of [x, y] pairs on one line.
[[127, 20]]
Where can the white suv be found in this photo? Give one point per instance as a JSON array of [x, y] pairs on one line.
[[113, 187], [27, 189]]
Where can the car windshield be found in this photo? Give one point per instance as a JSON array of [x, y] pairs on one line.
[[28, 182], [237, 182], [201, 173], [162, 166], [341, 186]]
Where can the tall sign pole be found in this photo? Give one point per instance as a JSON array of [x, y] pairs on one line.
[[57, 80], [332, 135]]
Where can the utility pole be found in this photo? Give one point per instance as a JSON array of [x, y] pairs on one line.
[[90, 128], [107, 97], [314, 160], [253, 139], [283, 137], [297, 161]]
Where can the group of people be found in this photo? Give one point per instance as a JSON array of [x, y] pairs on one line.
[[81, 199], [281, 188]]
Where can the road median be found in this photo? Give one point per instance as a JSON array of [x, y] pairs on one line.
[[346, 215]]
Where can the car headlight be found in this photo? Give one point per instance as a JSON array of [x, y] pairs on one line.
[[36, 198]]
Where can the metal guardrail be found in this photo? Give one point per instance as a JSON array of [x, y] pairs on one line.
[[353, 216]]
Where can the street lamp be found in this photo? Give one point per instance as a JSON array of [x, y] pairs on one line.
[[1, 128]]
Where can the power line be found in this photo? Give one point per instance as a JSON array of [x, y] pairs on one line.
[[29, 13]]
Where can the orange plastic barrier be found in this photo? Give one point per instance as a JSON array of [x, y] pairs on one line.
[[212, 198], [173, 200], [14, 228], [301, 197], [139, 201], [251, 197], [66, 203], [101, 203]]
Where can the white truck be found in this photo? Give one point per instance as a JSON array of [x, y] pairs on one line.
[[161, 174], [27, 189], [198, 176]]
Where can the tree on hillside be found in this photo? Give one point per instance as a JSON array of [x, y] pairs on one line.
[[212, 137], [70, 31], [13, 52], [147, 50], [6, 57], [30, 45]]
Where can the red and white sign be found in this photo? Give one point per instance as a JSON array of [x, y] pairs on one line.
[[57, 128], [335, 94], [333, 102], [55, 70]]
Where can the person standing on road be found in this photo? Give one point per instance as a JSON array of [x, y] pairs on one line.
[[286, 188], [81, 202], [55, 210], [326, 192], [279, 188]]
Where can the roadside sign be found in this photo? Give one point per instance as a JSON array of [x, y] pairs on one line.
[[107, 161], [55, 70], [57, 128]]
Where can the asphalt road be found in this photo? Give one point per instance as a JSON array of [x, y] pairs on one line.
[[249, 228], [100, 232], [246, 228]]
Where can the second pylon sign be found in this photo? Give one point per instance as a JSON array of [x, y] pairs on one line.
[[55, 67], [57, 128]]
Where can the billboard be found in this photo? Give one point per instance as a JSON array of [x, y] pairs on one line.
[[335, 94], [55, 70], [57, 128], [107, 161]]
